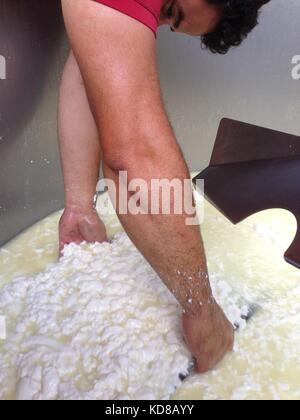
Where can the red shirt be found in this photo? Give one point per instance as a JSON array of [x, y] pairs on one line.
[[145, 11]]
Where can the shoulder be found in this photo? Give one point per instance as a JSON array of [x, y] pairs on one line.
[[144, 11]]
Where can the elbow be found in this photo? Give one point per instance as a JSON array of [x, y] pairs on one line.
[[137, 161]]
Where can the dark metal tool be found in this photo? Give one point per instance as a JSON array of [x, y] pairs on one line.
[[254, 169]]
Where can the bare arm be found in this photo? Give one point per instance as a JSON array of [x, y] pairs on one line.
[[80, 155], [117, 57]]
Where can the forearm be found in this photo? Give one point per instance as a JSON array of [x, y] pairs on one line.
[[174, 249], [78, 139]]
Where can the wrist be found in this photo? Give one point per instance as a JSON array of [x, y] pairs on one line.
[[202, 308], [80, 196], [80, 202], [79, 207]]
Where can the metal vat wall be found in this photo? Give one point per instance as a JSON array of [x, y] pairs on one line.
[[33, 50], [253, 83]]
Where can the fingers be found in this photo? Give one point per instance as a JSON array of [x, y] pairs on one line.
[[208, 362], [93, 230], [209, 359], [61, 248], [78, 228]]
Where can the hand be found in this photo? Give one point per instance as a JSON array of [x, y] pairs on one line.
[[78, 225], [209, 336]]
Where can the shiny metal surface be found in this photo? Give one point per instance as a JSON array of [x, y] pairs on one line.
[[253, 84], [33, 49]]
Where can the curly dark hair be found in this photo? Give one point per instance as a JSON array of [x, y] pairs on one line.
[[239, 17]]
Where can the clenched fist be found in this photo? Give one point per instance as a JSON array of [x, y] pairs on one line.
[[79, 225], [209, 336]]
